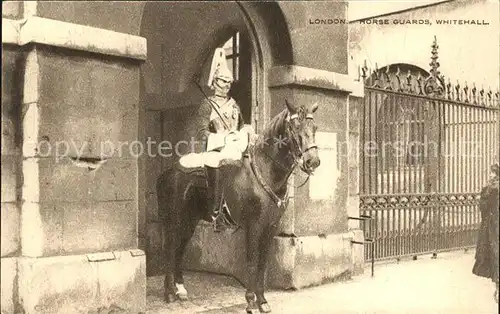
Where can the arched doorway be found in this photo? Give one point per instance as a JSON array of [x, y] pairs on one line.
[[182, 37]]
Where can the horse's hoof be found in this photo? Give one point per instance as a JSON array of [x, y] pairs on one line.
[[252, 311], [181, 292], [169, 298], [264, 308], [182, 296]]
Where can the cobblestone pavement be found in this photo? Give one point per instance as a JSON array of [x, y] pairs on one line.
[[442, 285]]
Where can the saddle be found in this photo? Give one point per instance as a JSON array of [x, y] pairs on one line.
[[195, 171], [198, 174]]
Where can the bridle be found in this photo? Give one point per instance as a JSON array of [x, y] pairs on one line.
[[297, 151], [297, 155]]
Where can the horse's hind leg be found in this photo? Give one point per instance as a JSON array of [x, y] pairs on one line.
[[186, 235], [169, 240], [170, 217]]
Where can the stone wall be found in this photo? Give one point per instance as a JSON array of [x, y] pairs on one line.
[[84, 199], [11, 174], [69, 195], [80, 109]]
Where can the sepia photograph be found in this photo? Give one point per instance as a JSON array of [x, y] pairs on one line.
[[247, 157]]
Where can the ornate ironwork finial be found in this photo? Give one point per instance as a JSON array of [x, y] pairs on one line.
[[420, 87], [434, 57], [387, 75], [481, 97], [474, 95], [399, 85], [433, 84], [466, 92], [364, 70], [449, 90], [376, 76], [409, 78]]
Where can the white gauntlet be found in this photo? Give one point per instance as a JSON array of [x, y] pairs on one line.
[[215, 141]]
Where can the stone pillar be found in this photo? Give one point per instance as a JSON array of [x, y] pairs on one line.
[[79, 114], [314, 244], [356, 103], [11, 163]]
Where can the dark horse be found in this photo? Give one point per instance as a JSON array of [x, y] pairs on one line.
[[255, 189]]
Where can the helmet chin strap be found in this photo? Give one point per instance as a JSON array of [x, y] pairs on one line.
[[220, 91]]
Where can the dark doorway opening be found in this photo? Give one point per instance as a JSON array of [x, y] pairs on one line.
[[182, 37]]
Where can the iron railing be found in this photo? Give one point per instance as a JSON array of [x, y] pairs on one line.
[[426, 149]]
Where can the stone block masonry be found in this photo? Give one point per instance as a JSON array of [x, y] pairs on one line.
[[83, 283], [11, 174], [69, 203]]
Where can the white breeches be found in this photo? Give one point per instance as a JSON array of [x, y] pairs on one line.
[[232, 150]]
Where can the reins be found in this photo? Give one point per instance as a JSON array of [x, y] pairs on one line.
[[290, 171], [281, 202]]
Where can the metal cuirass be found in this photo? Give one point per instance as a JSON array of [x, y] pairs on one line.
[[229, 111]]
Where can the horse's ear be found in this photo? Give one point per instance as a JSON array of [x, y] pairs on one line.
[[291, 109], [314, 107]]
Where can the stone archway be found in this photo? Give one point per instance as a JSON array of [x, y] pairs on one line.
[[181, 39]]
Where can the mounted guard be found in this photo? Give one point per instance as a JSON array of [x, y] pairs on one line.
[[256, 189], [221, 129]]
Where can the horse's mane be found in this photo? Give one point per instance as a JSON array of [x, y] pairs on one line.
[[276, 127]]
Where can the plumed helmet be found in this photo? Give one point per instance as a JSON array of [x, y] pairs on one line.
[[219, 68]]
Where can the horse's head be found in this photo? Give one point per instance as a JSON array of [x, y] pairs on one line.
[[301, 131]]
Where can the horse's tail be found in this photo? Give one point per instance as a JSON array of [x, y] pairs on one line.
[[165, 191]]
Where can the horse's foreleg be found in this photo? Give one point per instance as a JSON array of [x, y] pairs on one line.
[[265, 245], [253, 235]]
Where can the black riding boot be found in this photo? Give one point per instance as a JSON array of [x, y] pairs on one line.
[[214, 193]]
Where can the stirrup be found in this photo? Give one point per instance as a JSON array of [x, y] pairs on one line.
[[215, 225], [216, 216], [224, 221]]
